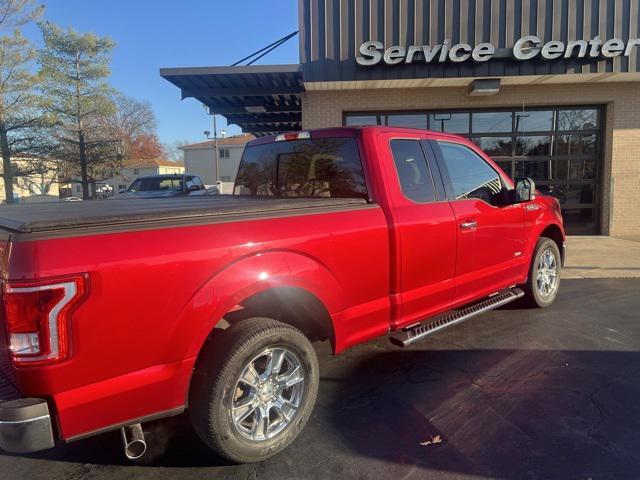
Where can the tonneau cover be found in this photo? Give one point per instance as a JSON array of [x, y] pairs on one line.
[[44, 217]]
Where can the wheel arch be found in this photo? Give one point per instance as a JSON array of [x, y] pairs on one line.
[[292, 305], [554, 232], [292, 287]]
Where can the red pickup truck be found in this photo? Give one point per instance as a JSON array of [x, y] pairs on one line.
[[121, 312]]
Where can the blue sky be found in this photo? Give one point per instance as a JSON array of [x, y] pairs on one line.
[[173, 33]]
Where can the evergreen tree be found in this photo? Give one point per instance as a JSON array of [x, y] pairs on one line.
[[75, 68]]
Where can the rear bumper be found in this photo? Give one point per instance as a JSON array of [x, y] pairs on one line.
[[25, 425]]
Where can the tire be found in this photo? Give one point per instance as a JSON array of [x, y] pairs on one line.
[[218, 394], [535, 295]]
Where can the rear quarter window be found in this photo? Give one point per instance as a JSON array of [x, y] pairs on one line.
[[316, 168], [413, 172]]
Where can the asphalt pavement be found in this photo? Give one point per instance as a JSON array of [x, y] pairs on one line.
[[513, 394]]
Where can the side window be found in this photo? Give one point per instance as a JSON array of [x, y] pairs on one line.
[[471, 176], [413, 172]]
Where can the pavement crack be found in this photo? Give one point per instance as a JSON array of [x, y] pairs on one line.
[[602, 414]]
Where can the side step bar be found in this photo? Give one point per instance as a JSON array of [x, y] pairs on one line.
[[430, 326]]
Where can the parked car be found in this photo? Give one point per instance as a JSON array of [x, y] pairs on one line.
[[167, 185], [70, 199], [136, 311]]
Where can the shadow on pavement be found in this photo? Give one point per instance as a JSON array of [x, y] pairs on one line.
[[551, 393], [499, 413]]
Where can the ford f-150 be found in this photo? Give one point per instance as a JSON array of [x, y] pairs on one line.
[[121, 312]]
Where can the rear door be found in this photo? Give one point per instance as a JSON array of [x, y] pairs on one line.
[[490, 232], [423, 231]]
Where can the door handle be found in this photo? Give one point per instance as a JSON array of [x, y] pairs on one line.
[[469, 225]]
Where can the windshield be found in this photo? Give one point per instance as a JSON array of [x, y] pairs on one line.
[[155, 184], [319, 168]]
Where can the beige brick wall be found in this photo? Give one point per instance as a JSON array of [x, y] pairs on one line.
[[621, 170]]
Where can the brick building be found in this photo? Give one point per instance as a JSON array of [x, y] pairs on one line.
[[549, 89]]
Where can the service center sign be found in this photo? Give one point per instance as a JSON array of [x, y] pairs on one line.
[[526, 48]]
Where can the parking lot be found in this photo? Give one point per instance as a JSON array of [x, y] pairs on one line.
[[512, 394]]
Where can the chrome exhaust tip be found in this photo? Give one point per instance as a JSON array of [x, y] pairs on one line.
[[133, 440]]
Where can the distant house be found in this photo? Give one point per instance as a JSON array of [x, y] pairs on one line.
[[132, 169], [200, 159], [40, 186]]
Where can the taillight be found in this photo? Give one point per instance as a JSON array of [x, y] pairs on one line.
[[37, 318]]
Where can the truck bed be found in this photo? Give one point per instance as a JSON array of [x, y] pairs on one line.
[[120, 213]]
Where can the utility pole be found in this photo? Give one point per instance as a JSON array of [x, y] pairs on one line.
[[215, 147], [207, 134]]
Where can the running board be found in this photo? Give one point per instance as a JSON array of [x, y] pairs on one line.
[[420, 331]]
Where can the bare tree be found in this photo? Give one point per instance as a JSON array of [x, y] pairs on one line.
[[130, 121], [174, 153], [22, 125]]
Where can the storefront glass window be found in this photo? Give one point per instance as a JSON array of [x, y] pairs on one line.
[[533, 146], [559, 148], [583, 221], [573, 194], [449, 122], [534, 121], [494, 146], [411, 121], [582, 119], [576, 145], [506, 166], [582, 169], [542, 169], [365, 120], [491, 122]]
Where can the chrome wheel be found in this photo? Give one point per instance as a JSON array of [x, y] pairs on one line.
[[547, 274], [268, 394]]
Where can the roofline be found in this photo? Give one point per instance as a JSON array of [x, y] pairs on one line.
[[153, 165], [220, 145], [172, 175], [280, 68]]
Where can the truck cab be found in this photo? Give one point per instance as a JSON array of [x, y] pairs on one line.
[[454, 209]]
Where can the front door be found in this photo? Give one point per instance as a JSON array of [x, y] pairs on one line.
[[423, 234], [490, 232]]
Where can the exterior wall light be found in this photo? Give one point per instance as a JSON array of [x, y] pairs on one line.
[[484, 86]]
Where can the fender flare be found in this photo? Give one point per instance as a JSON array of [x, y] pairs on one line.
[[537, 233], [244, 278]]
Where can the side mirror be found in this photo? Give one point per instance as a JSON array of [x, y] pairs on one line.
[[193, 188], [525, 190]]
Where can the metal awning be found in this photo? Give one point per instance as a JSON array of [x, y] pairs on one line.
[[260, 99]]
